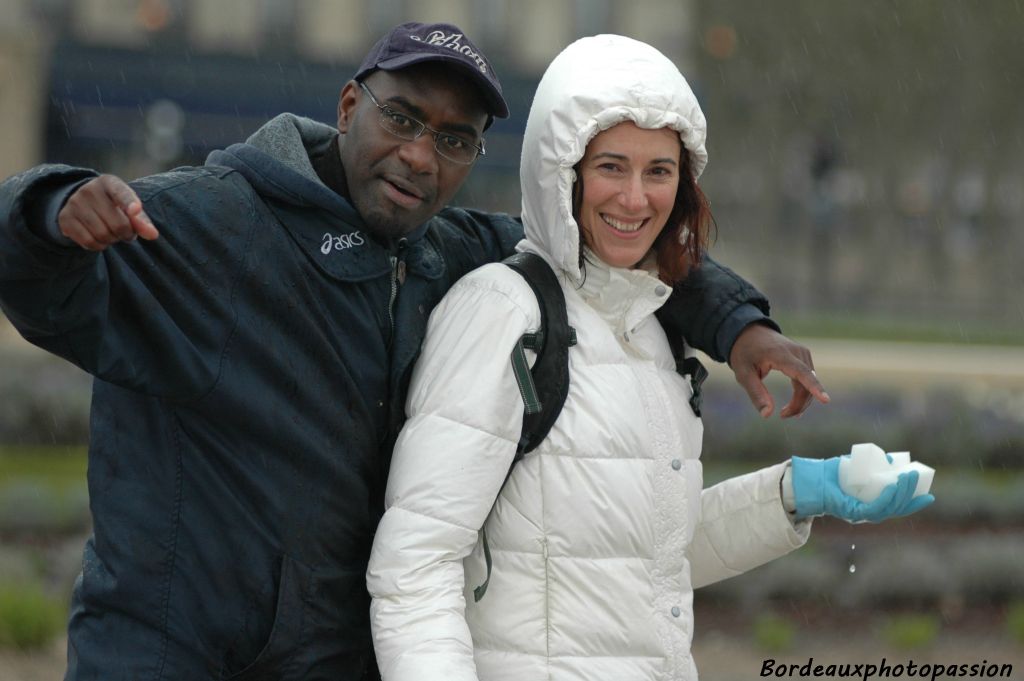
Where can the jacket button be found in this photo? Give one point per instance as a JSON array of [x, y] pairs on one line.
[[675, 611], [660, 291], [676, 464]]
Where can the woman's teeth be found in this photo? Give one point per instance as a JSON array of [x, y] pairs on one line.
[[623, 226]]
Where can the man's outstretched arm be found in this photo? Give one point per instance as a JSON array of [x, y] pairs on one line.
[[724, 316], [83, 275]]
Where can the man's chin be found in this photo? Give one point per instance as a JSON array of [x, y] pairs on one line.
[[385, 219], [383, 225]]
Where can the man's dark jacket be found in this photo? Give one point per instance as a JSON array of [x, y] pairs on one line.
[[251, 367]]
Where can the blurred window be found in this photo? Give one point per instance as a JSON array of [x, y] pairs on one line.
[[592, 16], [328, 30], [124, 23], [382, 15], [448, 11], [225, 25], [668, 25], [538, 30]]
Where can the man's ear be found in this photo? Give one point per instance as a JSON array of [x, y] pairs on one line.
[[347, 105]]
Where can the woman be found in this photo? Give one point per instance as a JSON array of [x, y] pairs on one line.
[[600, 535]]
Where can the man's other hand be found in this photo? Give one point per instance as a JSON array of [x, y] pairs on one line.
[[102, 212], [760, 349]]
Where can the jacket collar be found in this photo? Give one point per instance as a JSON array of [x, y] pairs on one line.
[[622, 297], [277, 163]]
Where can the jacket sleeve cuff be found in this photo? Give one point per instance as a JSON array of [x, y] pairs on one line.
[[42, 218], [786, 490], [808, 481], [733, 325]]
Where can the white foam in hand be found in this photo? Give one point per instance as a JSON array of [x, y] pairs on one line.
[[866, 471]]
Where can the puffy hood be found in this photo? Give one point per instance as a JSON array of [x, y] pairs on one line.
[[275, 160], [594, 84]]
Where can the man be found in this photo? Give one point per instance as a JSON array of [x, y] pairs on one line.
[[252, 354]]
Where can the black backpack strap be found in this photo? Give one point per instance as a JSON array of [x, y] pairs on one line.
[[691, 366], [685, 366], [545, 386]]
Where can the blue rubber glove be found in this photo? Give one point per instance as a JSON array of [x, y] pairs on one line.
[[816, 491]]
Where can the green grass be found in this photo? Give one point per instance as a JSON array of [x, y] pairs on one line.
[[907, 632], [58, 468], [43, 490], [1015, 622], [773, 633], [29, 618], [850, 326]]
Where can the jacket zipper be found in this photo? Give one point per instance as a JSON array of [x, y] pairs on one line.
[[547, 603], [397, 279]]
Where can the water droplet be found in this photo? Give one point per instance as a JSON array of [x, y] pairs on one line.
[[853, 568]]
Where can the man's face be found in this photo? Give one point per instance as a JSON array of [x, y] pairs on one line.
[[397, 184]]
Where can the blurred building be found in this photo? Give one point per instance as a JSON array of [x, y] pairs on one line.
[[866, 158], [862, 158], [23, 86], [136, 86]]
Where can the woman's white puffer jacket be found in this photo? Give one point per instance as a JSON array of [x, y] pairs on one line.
[[601, 533]]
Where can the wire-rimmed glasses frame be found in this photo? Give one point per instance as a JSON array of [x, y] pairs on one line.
[[452, 147]]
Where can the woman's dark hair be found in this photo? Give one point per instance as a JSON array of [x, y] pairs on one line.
[[690, 211]]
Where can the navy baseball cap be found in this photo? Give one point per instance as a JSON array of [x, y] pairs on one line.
[[413, 43]]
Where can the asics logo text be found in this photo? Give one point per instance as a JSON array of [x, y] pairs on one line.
[[341, 242]]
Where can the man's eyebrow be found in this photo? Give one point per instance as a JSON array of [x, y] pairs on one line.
[[623, 157], [464, 128]]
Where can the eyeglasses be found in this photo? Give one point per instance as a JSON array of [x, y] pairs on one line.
[[453, 147]]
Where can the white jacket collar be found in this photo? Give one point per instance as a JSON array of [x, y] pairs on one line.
[[623, 298]]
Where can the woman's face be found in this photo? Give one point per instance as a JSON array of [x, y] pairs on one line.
[[630, 177]]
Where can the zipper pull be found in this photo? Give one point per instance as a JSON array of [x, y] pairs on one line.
[[400, 266]]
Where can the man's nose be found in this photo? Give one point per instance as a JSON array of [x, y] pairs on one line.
[[419, 154]]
